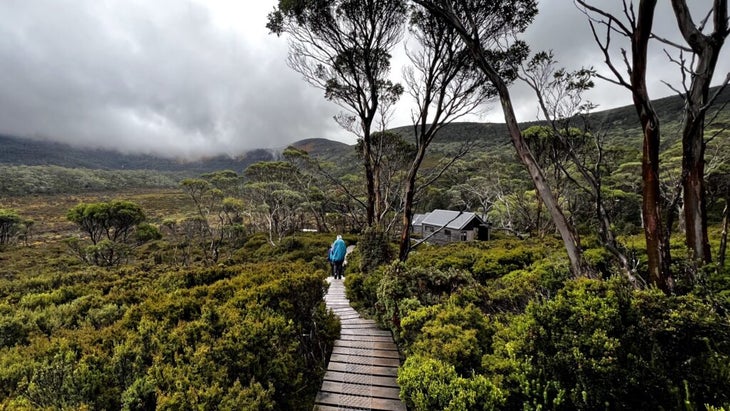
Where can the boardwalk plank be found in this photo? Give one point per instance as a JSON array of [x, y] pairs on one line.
[[368, 403], [371, 332], [376, 380], [365, 360], [319, 407], [361, 390], [378, 338], [375, 345], [369, 352], [358, 321], [362, 370]]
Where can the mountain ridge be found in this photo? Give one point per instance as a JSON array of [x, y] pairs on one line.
[[620, 121]]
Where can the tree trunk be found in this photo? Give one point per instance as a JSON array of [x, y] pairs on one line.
[[695, 207], [410, 192], [609, 239], [707, 50], [405, 236], [723, 237], [538, 215], [657, 246], [568, 234], [369, 175], [378, 190], [570, 237]]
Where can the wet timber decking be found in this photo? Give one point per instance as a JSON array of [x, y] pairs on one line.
[[364, 363]]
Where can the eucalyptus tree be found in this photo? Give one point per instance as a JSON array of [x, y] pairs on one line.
[[335, 198], [10, 226], [344, 48], [445, 86], [636, 25], [109, 226], [219, 208], [699, 72], [392, 154], [313, 185], [575, 153], [208, 200], [488, 28], [718, 183], [272, 191]]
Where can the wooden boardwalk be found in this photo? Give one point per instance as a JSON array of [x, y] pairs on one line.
[[364, 363]]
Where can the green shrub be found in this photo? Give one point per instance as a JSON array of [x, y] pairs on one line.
[[599, 259], [140, 395], [427, 285], [256, 336], [147, 232], [500, 261], [716, 285], [308, 247], [13, 331], [600, 345], [374, 250], [513, 291], [484, 260], [415, 316], [362, 290], [429, 384], [458, 336]]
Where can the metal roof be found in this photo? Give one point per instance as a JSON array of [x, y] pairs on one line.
[[418, 219], [455, 220]]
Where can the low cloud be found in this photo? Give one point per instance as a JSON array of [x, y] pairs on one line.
[[189, 78], [158, 77]]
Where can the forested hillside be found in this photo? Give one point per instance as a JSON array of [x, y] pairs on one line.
[[31, 152], [619, 125]]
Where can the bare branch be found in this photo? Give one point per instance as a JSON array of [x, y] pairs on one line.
[[670, 43], [711, 100]]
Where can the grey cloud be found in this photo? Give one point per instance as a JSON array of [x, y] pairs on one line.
[[148, 77], [164, 76]]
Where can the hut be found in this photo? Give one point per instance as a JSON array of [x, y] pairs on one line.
[[448, 226]]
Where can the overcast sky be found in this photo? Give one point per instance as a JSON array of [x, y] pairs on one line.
[[200, 77]]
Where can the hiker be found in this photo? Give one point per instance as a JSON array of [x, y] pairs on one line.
[[329, 261], [337, 255]]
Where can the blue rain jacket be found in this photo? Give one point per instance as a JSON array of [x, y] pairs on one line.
[[339, 249]]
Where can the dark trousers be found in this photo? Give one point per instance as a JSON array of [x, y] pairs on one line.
[[337, 269]]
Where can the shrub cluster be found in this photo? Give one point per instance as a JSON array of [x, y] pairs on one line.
[[501, 326], [255, 336]]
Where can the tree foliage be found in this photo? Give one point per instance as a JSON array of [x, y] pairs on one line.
[[109, 226], [445, 86], [344, 48], [11, 225], [219, 217]]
